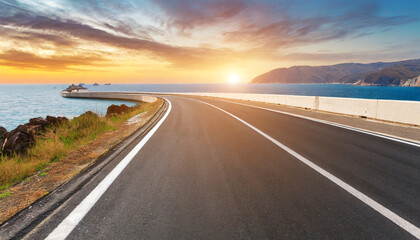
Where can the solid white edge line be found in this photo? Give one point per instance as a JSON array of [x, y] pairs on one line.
[[396, 139], [404, 224], [70, 222]]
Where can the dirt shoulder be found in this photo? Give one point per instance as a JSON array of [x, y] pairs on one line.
[[21, 195]]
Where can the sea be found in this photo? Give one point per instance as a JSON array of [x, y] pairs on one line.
[[19, 103]]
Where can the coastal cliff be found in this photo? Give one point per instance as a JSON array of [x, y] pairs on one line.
[[403, 73], [414, 82]]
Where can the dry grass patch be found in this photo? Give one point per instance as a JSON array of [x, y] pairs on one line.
[[57, 142]]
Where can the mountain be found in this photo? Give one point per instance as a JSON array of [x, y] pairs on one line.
[[392, 76], [401, 73]]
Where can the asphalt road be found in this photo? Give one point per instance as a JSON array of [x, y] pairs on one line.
[[206, 175]]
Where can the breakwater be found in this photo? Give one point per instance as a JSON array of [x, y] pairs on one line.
[[111, 95]]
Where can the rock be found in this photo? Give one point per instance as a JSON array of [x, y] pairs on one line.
[[3, 133], [414, 82], [52, 120], [117, 110], [38, 121], [19, 139], [36, 129], [89, 114], [21, 128], [56, 120], [62, 119], [18, 142]]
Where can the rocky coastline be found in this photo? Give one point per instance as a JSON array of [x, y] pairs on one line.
[[20, 139]]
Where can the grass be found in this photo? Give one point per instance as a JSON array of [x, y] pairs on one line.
[[6, 194], [57, 142]]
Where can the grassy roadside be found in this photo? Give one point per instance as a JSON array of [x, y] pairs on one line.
[[59, 141], [62, 153]]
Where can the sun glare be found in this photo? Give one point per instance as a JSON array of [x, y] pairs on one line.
[[233, 78]]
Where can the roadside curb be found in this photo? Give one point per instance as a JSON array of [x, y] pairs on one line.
[[24, 221]]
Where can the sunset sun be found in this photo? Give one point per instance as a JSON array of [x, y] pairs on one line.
[[233, 78]]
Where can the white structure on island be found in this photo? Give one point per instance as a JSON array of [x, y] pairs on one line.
[[74, 88]]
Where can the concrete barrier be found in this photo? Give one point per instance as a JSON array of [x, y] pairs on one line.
[[407, 112], [399, 111], [301, 101], [350, 106]]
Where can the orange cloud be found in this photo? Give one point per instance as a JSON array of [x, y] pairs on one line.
[[26, 60], [186, 39]]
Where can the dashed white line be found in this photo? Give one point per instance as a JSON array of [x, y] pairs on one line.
[[404, 224], [70, 222]]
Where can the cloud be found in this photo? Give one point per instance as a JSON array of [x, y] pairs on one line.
[[190, 14], [341, 57], [20, 59], [120, 17], [320, 57], [29, 36], [261, 28], [65, 29], [288, 31]]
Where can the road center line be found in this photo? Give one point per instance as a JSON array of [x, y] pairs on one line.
[[404, 224], [70, 222], [396, 139]]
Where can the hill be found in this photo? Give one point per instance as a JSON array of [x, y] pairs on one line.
[[380, 73]]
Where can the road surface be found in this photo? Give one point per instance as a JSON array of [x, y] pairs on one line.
[[229, 171]]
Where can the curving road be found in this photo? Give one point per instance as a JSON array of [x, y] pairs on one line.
[[219, 170]]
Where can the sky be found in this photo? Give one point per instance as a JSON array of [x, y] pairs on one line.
[[196, 41]]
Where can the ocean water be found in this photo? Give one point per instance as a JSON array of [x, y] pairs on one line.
[[19, 103], [327, 90]]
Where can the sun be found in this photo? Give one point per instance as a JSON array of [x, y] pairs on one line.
[[233, 78]]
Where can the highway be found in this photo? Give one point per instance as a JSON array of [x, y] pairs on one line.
[[218, 170]]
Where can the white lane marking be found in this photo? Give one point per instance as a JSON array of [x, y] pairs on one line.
[[70, 222], [404, 224], [392, 138]]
